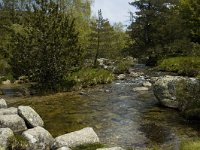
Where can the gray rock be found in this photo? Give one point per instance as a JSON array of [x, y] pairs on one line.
[[14, 122], [77, 138], [64, 148], [147, 84], [8, 111], [165, 90], [30, 116], [112, 148], [7, 82], [136, 74], [5, 134], [38, 138], [121, 77], [3, 103]]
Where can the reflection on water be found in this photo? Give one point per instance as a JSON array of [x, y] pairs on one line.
[[120, 116]]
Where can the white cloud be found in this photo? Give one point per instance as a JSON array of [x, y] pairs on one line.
[[114, 10]]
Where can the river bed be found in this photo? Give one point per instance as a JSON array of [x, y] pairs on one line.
[[119, 115]]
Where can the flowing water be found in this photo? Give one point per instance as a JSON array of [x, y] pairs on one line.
[[120, 116]]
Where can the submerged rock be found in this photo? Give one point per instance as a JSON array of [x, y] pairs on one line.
[[13, 122], [5, 134], [112, 148], [31, 117], [3, 103], [136, 89], [77, 138], [64, 148], [38, 138]]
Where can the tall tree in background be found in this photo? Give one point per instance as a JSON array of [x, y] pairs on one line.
[[99, 28], [189, 12], [157, 24]]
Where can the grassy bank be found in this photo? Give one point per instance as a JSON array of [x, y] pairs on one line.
[[190, 145], [87, 77], [187, 66]]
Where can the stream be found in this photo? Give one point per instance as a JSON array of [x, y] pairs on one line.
[[119, 115]]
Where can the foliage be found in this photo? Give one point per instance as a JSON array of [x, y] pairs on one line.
[[106, 41], [164, 28], [189, 66], [17, 142], [190, 145], [189, 12], [89, 76], [48, 49], [89, 147]]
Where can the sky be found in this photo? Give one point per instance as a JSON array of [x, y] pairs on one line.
[[114, 10]]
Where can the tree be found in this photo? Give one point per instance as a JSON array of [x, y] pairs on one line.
[[98, 28], [149, 29], [48, 47], [189, 12]]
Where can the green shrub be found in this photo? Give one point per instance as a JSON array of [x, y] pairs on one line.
[[4, 67], [17, 142], [189, 66], [89, 76], [123, 65]]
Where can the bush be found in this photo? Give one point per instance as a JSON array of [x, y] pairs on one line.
[[188, 66], [123, 65], [17, 142], [89, 76], [4, 67]]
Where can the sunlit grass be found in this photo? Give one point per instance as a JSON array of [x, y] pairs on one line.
[[90, 76], [190, 145], [189, 66]]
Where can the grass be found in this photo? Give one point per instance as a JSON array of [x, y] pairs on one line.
[[190, 145], [17, 142], [187, 66], [87, 77]]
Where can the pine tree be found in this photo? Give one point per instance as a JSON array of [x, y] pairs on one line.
[[49, 47]]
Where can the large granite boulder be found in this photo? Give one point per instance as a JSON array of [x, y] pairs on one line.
[[31, 117], [165, 90], [8, 111], [5, 134], [77, 138], [178, 92], [112, 148], [38, 138], [13, 122], [3, 103]]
